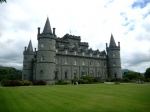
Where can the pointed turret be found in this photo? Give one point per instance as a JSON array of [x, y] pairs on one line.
[[30, 48], [47, 27], [112, 42]]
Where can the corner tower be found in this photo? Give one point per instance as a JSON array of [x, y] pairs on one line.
[[28, 53], [46, 54], [113, 57]]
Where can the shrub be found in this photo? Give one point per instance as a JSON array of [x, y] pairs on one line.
[[12, 83], [61, 82], [25, 83], [39, 82]]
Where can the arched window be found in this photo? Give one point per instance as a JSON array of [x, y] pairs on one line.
[[66, 61], [75, 74], [83, 62], [66, 74], [91, 62], [98, 63], [75, 62], [92, 73], [83, 72], [56, 74], [83, 53], [56, 60]]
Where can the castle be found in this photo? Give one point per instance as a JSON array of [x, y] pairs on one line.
[[68, 58]]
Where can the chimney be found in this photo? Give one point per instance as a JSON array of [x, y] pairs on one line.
[[54, 31]]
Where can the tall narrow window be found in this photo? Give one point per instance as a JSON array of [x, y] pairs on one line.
[[91, 62], [92, 73], [42, 58], [41, 74], [91, 55], [66, 52], [75, 74], [83, 62], [66, 74], [56, 74], [75, 62], [114, 64], [83, 53], [66, 61], [75, 53]]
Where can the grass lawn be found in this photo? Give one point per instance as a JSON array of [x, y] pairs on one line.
[[76, 98]]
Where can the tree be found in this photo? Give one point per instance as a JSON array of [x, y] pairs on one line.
[[132, 75], [147, 73], [1, 1]]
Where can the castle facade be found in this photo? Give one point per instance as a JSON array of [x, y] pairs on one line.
[[68, 58]]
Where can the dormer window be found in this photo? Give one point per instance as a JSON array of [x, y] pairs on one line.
[[83, 53], [75, 53], [66, 52], [91, 54]]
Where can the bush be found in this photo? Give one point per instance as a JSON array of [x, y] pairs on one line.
[[61, 82], [26, 83], [39, 82], [12, 83]]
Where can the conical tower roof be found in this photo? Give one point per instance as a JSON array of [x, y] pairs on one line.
[[30, 48], [47, 27], [112, 42]]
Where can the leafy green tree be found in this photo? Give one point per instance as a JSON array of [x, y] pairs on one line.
[[132, 75], [147, 73], [9, 73]]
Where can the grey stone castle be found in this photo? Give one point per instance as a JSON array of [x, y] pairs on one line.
[[68, 58]]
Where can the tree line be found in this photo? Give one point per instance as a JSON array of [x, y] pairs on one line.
[[10, 73]]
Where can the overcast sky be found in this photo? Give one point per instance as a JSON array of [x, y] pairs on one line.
[[93, 20]]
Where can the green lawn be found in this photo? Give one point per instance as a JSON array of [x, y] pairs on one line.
[[79, 98]]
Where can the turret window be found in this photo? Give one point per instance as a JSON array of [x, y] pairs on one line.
[[42, 58]]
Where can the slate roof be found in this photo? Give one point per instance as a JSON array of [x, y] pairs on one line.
[[112, 42], [30, 48], [47, 27]]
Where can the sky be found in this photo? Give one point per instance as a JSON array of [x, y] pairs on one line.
[[93, 20]]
